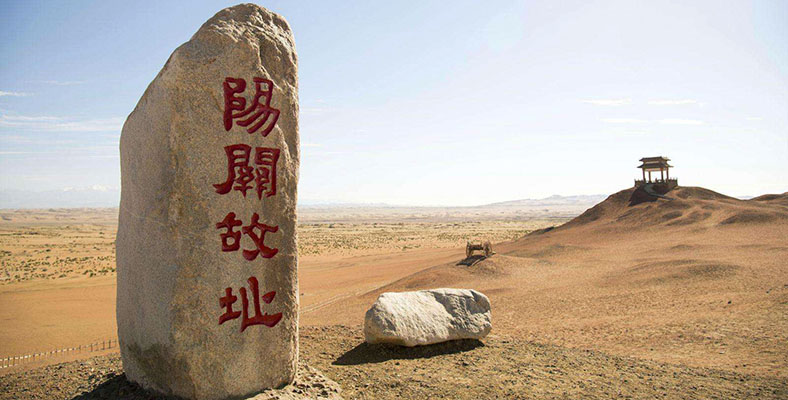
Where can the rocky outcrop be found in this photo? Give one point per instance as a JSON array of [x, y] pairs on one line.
[[428, 317]]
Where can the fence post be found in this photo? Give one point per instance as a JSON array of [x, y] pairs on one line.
[[7, 362]]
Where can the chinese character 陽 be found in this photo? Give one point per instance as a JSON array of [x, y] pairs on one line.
[[257, 114]]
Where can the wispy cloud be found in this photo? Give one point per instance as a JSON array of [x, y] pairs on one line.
[[665, 121], [307, 144], [27, 118], [673, 102], [14, 94], [80, 154], [330, 153], [314, 110], [629, 132], [35, 140], [59, 83], [623, 120], [91, 188], [754, 118], [678, 121], [608, 102], [60, 124]]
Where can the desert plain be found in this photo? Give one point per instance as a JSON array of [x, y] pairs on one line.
[[592, 297]]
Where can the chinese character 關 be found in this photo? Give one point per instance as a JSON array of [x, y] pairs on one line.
[[240, 173]]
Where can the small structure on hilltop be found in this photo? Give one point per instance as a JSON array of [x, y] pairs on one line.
[[649, 189], [654, 164], [485, 247]]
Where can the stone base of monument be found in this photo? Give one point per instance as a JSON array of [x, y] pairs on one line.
[[309, 384]]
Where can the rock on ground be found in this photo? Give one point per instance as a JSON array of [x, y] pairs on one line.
[[309, 384], [428, 317], [178, 268]]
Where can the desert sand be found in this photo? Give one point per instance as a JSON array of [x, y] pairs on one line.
[[57, 282], [683, 298]]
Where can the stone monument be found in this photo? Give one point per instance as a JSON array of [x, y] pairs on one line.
[[207, 304]]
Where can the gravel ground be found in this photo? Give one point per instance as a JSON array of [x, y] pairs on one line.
[[498, 367]]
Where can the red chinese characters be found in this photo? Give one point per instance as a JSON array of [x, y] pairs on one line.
[[248, 168], [231, 239], [243, 169], [258, 318], [257, 114]]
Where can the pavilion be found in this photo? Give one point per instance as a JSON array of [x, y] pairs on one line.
[[654, 164]]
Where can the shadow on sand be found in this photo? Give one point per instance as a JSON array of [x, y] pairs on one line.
[[366, 353], [470, 261], [118, 387]]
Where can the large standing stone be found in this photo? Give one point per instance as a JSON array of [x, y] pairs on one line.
[[208, 214], [428, 317]]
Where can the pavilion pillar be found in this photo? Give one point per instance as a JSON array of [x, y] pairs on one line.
[[667, 173], [649, 176], [644, 174], [661, 174]]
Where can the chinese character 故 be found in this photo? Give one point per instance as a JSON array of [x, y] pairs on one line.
[[231, 239]]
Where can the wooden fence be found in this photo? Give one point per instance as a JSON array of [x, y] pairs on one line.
[[13, 361]]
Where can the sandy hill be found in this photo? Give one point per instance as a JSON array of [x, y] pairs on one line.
[[697, 278], [685, 206]]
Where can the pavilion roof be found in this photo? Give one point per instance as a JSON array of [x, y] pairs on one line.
[[656, 165], [658, 158]]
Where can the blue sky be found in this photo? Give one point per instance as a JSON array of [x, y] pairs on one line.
[[423, 103]]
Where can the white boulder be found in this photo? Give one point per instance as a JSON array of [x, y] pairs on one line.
[[428, 317]]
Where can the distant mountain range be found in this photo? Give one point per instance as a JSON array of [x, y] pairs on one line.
[[554, 200], [103, 196], [94, 196]]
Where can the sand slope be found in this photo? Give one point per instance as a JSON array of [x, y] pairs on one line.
[[700, 279]]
